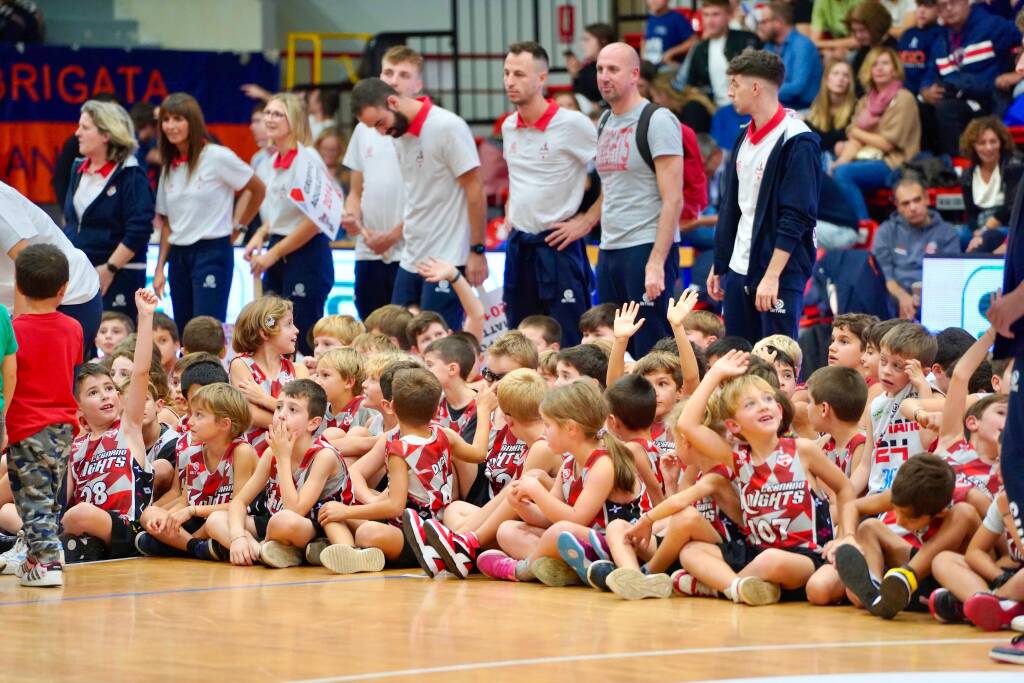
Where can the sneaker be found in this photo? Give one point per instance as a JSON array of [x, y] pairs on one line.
[[416, 538], [344, 559], [855, 575], [457, 551], [551, 571], [83, 549], [496, 565], [945, 607], [13, 558], [34, 574], [684, 583], [600, 545], [1018, 624], [898, 584], [1011, 654], [313, 550], [756, 592], [204, 550], [597, 574], [989, 613], [150, 546], [7, 541], [279, 555], [633, 584], [576, 554]]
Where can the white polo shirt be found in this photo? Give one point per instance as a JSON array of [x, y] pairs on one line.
[[751, 160], [90, 185], [278, 174], [201, 205], [547, 166], [20, 219], [383, 200], [433, 153]]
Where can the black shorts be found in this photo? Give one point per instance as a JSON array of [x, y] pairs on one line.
[[628, 511], [479, 493], [122, 536], [194, 524], [738, 554], [261, 522]]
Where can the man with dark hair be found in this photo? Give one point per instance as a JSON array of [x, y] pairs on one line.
[[444, 195], [705, 68], [764, 243], [547, 149], [797, 51]]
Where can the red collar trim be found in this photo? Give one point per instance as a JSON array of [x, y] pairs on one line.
[[755, 134], [540, 124], [178, 161], [416, 125], [105, 170], [285, 162]]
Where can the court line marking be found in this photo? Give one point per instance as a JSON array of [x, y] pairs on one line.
[[561, 659], [206, 589]]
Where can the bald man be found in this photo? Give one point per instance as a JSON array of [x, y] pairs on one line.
[[641, 201]]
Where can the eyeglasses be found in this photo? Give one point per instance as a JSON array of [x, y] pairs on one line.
[[274, 114], [490, 376]]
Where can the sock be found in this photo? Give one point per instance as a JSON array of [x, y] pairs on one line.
[[523, 571], [733, 592], [221, 551], [193, 548], [875, 580]]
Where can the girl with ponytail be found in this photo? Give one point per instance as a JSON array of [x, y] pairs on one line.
[[597, 484]]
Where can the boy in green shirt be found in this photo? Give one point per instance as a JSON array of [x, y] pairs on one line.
[[8, 370]]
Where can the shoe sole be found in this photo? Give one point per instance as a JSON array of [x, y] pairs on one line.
[[933, 600], [554, 573], [10, 568], [574, 555], [1017, 624], [1007, 655], [344, 559], [895, 596], [448, 553], [632, 584], [414, 542], [758, 592], [46, 582], [280, 556], [985, 612], [855, 575], [314, 550]]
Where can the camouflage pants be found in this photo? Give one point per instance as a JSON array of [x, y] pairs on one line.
[[36, 466]]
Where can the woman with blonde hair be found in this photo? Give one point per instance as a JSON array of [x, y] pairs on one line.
[[330, 144], [886, 130], [832, 110], [108, 211], [297, 263], [196, 199]]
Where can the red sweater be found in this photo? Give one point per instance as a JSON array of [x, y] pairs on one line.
[[49, 348]]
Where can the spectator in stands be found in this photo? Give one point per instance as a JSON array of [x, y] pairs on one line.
[[259, 135], [828, 24], [916, 42], [21, 21], [668, 35], [902, 14], [912, 232], [799, 56], [108, 211], [330, 144], [705, 68], [832, 110], [869, 24], [885, 131], [967, 65], [648, 72], [323, 108], [689, 105], [584, 73], [990, 185], [144, 119]]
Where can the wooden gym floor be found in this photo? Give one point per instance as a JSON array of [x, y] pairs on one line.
[[160, 619]]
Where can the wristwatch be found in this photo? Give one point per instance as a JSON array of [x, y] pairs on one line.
[[476, 248], [111, 267]]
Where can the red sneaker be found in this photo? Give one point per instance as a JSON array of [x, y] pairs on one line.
[[988, 612]]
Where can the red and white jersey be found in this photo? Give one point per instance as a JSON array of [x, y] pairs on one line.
[[896, 439], [201, 486], [354, 414], [843, 457], [708, 507], [337, 487], [104, 473], [776, 498], [257, 436], [445, 412], [573, 482], [654, 456], [662, 437], [504, 461], [971, 471], [914, 538], [430, 467]]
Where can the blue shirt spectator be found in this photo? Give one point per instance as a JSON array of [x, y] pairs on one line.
[[798, 54], [665, 30], [916, 42]]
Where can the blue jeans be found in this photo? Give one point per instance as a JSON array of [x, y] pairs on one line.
[[859, 177]]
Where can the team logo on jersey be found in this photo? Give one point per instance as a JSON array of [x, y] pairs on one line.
[[779, 307], [419, 158], [369, 151], [785, 459], [544, 151], [112, 191], [210, 282], [568, 297], [300, 290]]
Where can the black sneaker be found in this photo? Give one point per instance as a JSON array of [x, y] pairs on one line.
[[7, 541], [151, 547], [897, 586], [83, 549], [854, 573], [597, 574], [945, 607], [205, 550]]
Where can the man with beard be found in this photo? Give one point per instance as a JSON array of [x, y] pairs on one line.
[[547, 149], [375, 203], [444, 197]]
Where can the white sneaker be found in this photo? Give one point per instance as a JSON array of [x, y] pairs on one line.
[[279, 555], [1018, 624], [344, 559], [11, 560], [34, 574]]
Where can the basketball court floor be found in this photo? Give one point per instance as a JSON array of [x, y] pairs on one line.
[[178, 620]]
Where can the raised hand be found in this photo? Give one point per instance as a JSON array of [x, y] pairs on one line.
[[435, 270], [146, 301], [626, 325], [678, 310], [732, 364]]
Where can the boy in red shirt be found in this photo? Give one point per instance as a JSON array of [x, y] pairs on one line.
[[41, 418]]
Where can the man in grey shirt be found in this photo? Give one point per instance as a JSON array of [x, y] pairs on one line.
[[640, 205], [902, 242]]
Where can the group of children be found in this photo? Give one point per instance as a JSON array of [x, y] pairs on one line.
[[704, 468]]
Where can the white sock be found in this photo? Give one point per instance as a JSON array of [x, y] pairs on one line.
[[733, 591]]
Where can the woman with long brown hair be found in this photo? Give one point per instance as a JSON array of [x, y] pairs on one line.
[[196, 199]]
